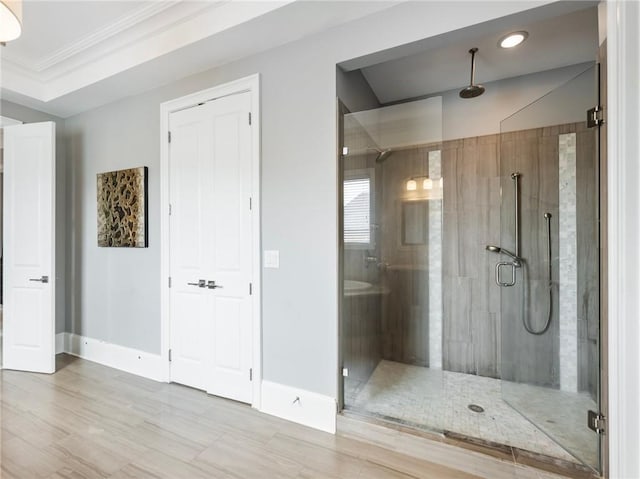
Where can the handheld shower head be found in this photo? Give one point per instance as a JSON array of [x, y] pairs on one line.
[[497, 249]]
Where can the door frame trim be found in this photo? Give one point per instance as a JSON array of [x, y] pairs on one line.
[[247, 84], [623, 235]]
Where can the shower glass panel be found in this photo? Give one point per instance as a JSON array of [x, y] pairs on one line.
[[392, 190], [550, 325]]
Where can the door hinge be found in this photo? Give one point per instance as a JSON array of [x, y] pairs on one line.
[[595, 117], [169, 136], [169, 281], [249, 118], [170, 355], [169, 209], [597, 422], [250, 203], [250, 374], [250, 289]]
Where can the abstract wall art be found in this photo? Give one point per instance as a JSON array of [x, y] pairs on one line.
[[122, 208]]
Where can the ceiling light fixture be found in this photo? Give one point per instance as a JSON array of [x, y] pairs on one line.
[[513, 39], [10, 19]]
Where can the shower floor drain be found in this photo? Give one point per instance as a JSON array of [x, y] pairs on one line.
[[475, 408]]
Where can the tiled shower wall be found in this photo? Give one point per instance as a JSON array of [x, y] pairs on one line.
[[481, 324], [470, 211], [471, 340], [568, 360]]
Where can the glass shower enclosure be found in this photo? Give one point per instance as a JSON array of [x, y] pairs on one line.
[[470, 284], [550, 322]]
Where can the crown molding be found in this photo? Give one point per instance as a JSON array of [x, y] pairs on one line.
[[134, 27], [126, 22], [177, 42], [144, 35]]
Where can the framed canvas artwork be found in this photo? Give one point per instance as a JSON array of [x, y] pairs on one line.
[[122, 208]]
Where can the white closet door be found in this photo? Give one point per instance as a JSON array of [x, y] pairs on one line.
[[29, 248], [210, 250], [190, 170], [231, 248]]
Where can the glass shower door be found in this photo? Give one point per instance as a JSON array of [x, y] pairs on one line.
[[550, 323], [392, 184]]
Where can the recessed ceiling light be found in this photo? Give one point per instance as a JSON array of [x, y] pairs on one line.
[[513, 39]]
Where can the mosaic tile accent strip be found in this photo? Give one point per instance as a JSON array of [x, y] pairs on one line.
[[568, 252], [435, 264]]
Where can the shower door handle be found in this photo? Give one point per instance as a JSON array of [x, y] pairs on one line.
[[501, 283]]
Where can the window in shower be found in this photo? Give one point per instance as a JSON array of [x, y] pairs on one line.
[[357, 192]]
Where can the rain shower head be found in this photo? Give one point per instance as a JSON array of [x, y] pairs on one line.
[[382, 154], [472, 90]]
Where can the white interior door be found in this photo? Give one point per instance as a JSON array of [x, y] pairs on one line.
[[210, 247], [29, 246]]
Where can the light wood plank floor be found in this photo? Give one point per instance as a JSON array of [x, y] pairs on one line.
[[90, 421]]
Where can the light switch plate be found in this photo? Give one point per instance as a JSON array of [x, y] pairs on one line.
[[271, 259]]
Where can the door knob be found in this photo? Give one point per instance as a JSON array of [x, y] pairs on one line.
[[213, 285], [43, 279], [200, 284]]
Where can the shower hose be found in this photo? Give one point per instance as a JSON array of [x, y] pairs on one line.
[[529, 329]]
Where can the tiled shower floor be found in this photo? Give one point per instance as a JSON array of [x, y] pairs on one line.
[[439, 400]]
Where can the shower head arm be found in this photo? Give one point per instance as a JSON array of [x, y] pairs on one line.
[[473, 65], [516, 259]]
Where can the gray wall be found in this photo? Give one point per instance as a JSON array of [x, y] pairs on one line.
[[117, 293], [354, 91], [27, 115]]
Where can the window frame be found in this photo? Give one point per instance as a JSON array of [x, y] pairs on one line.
[[359, 174]]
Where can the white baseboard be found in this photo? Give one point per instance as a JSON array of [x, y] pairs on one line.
[[296, 405], [141, 363], [300, 406], [61, 343]]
